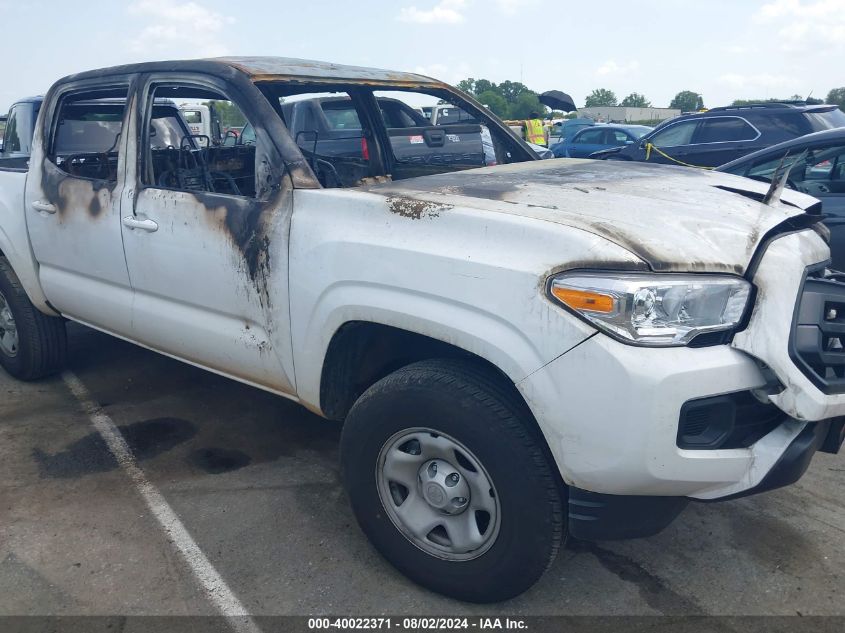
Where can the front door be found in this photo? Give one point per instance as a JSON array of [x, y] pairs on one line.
[[206, 238], [74, 196]]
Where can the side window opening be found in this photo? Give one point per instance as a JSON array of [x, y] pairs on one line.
[[352, 135], [11, 139], [203, 156], [591, 137], [724, 130], [86, 133], [820, 171], [617, 138], [675, 135]]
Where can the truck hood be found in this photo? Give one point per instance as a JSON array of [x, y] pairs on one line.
[[673, 218]]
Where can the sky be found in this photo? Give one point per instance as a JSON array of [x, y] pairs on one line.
[[723, 49]]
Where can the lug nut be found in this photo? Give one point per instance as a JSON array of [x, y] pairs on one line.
[[453, 479], [459, 501], [432, 470]]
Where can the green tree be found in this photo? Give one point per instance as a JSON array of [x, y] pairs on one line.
[[636, 100], [227, 113], [836, 97], [745, 102], [495, 102], [508, 100], [600, 97], [796, 97], [467, 85], [526, 103], [511, 90], [687, 101], [484, 85]]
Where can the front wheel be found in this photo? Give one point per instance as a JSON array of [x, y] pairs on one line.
[[447, 476]]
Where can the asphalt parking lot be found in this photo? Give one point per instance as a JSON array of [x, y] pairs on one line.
[[254, 480]]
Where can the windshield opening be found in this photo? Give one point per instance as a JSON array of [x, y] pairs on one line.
[[414, 131]]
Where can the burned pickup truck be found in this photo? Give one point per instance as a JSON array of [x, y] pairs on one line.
[[518, 352]]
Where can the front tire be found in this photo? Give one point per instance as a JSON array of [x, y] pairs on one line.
[[448, 478], [32, 344]]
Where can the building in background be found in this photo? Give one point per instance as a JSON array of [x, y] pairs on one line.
[[623, 114]]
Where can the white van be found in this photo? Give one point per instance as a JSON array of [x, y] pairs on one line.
[[198, 118]]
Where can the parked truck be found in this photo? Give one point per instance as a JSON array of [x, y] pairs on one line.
[[518, 353]]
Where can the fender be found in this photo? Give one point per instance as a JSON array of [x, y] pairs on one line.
[[474, 330], [356, 256]]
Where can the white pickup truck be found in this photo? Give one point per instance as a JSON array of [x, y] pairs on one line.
[[519, 352]]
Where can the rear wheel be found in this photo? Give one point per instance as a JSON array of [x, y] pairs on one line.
[[447, 477], [32, 344]]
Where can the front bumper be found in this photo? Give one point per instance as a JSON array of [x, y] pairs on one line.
[[600, 517], [610, 412]]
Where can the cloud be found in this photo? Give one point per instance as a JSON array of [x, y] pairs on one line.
[[759, 81], [179, 29], [444, 12], [805, 24], [610, 67], [738, 49], [451, 74], [512, 7]]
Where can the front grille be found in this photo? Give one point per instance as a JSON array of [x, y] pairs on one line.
[[817, 343]]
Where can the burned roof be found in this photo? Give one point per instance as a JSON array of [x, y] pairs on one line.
[[269, 68], [258, 67]]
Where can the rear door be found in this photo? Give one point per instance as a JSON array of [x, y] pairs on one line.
[[719, 140], [74, 196]]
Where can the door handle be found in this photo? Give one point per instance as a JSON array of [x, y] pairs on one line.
[[45, 207], [132, 222]]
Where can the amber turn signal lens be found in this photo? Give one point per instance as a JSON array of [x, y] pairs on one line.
[[584, 299]]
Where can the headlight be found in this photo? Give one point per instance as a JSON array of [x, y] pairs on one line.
[[656, 310]]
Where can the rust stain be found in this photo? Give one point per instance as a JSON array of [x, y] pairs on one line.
[[415, 209]]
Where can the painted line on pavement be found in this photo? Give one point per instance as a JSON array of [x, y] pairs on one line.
[[218, 592]]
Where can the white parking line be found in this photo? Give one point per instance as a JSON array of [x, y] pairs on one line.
[[215, 587]]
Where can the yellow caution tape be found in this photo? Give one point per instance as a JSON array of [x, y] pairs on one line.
[[649, 147]]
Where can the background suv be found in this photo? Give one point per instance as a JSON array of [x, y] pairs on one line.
[[720, 135]]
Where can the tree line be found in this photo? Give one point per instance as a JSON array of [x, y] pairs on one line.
[[508, 100], [689, 101], [514, 100], [686, 100]]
